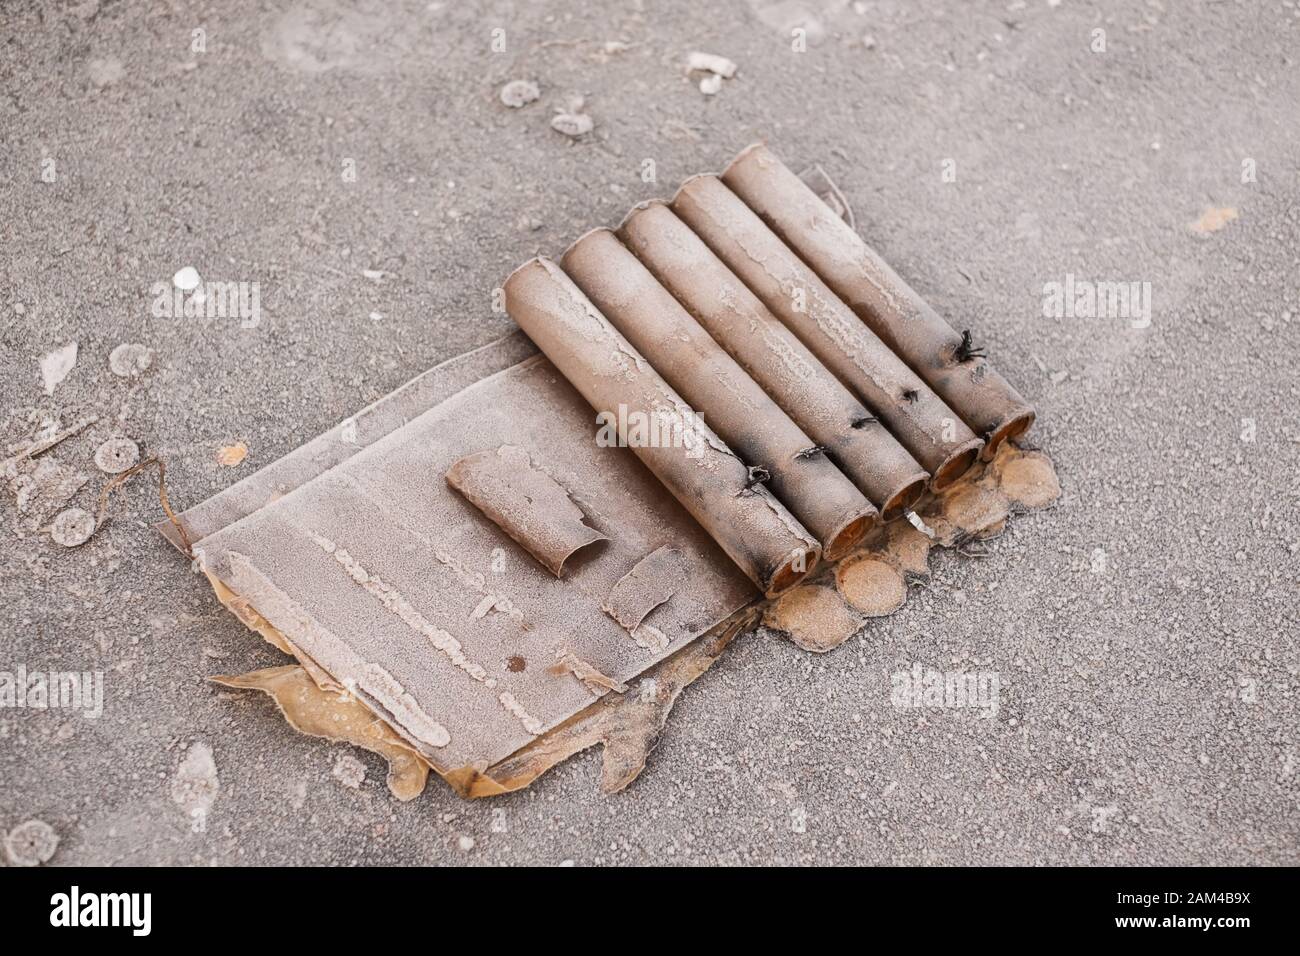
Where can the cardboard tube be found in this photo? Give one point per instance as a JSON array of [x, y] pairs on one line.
[[774, 358], [902, 319], [916, 416], [698, 469], [735, 406]]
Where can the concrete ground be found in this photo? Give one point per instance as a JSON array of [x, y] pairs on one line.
[[1144, 630]]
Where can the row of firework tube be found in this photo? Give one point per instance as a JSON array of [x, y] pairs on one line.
[[831, 395]]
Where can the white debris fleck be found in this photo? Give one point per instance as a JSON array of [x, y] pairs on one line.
[[186, 279], [105, 71], [466, 843], [531, 723], [711, 84], [711, 63], [349, 771], [919, 525], [31, 843], [375, 275], [195, 786], [130, 360], [56, 366], [116, 455], [518, 93], [572, 124], [799, 820], [72, 527]]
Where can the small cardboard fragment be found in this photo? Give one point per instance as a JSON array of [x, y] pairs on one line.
[[1213, 218], [1028, 479], [871, 586], [525, 502], [339, 717], [596, 682], [814, 617], [652, 581], [228, 456]]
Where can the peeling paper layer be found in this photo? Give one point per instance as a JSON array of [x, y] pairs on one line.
[[338, 717], [525, 502], [649, 584], [598, 683]]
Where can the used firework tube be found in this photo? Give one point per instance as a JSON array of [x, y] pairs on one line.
[[774, 358], [754, 529], [917, 417], [777, 450], [880, 298]]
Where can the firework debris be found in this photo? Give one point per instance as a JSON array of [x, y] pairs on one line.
[[552, 593]]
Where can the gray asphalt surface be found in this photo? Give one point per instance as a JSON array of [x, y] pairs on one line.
[[1144, 629]]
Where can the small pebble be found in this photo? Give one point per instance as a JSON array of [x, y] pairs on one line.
[[116, 455], [31, 843], [72, 527], [466, 843], [228, 456], [572, 124], [711, 84], [130, 360], [711, 63], [518, 93], [186, 279]]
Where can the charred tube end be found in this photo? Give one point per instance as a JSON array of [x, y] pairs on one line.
[[797, 566], [905, 498], [844, 540], [1012, 428], [957, 464]]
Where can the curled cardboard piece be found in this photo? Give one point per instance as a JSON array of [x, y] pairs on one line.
[[651, 582], [525, 502]]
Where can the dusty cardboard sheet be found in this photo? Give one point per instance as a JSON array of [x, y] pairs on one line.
[[818, 616], [379, 573]]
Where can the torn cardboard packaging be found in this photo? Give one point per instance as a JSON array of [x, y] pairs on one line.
[[519, 555]]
